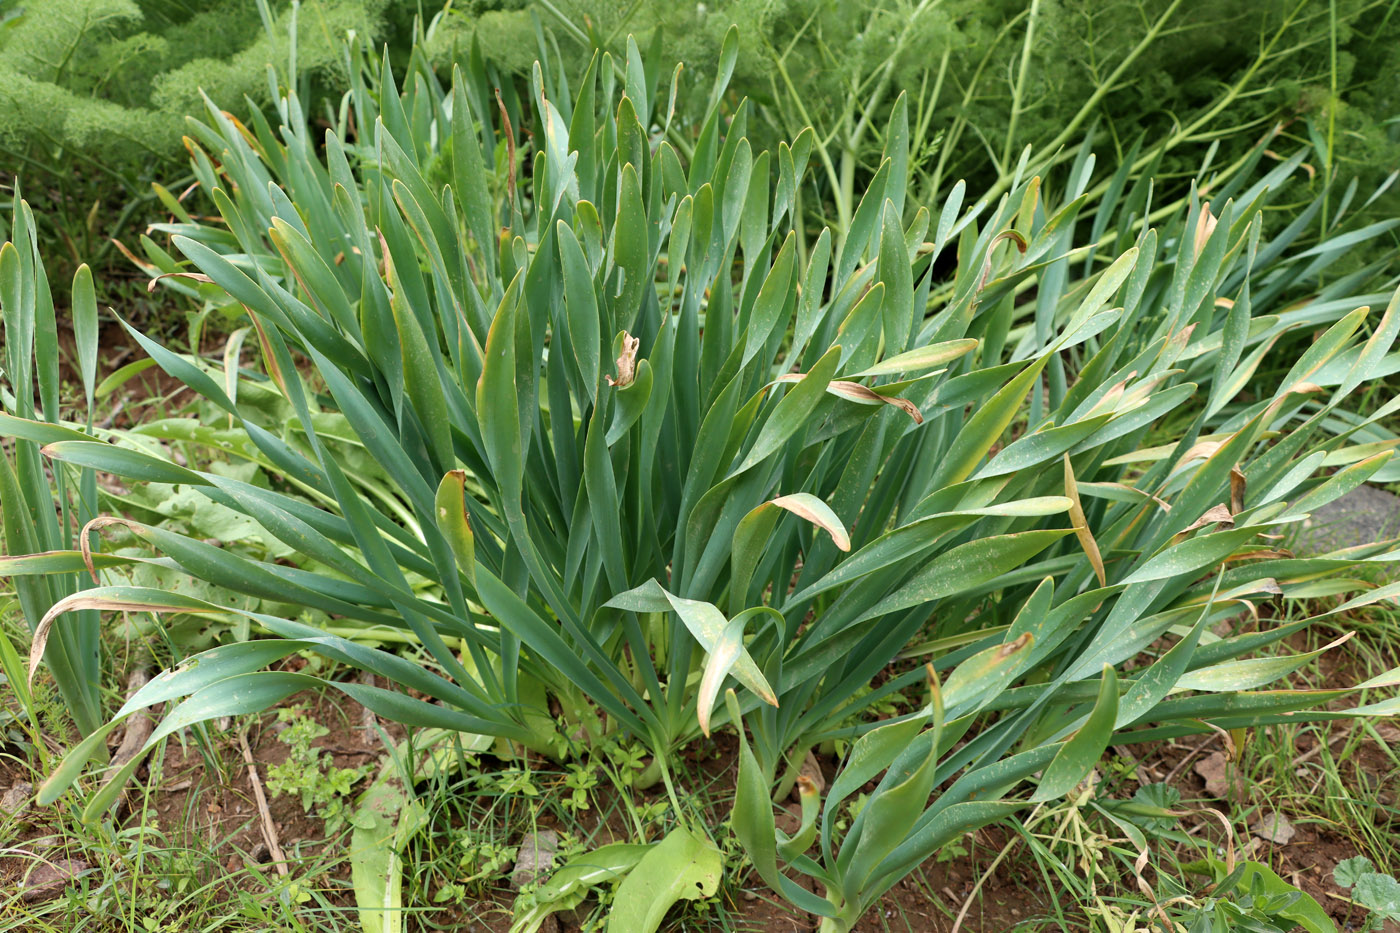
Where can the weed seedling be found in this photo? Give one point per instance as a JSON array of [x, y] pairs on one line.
[[308, 772]]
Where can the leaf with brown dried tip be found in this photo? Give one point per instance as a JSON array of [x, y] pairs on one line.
[[136, 261], [1237, 490], [814, 510], [85, 540], [862, 395], [1205, 226], [1217, 515], [754, 532], [196, 276], [1081, 525], [988, 670], [1202, 450], [140, 601]]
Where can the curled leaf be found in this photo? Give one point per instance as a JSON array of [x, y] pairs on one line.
[[862, 395], [196, 276], [1205, 226], [1216, 514], [1202, 450], [626, 362], [1237, 489], [91, 600], [814, 510], [85, 540], [1081, 525]]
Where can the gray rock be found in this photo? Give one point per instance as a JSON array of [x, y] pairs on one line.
[[535, 859], [48, 879], [1215, 770], [1273, 827], [17, 799], [1363, 516]]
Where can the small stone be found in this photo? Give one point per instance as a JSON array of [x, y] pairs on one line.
[[17, 799], [1363, 516], [43, 845], [1214, 770], [47, 879], [1273, 827], [535, 858]]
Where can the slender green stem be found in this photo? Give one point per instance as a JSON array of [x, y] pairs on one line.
[[792, 767], [674, 136], [1331, 113], [622, 23], [1100, 92], [682, 815], [823, 152], [950, 139], [886, 76], [1019, 89]]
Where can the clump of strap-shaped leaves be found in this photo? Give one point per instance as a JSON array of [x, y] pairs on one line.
[[42, 509], [600, 424]]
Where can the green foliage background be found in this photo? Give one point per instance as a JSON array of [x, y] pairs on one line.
[[827, 47], [108, 82], [94, 93], [111, 80]]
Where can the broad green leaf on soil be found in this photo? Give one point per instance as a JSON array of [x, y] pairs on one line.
[[571, 882], [682, 866], [1305, 911]]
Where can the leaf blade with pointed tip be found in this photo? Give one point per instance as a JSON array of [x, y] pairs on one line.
[[1077, 757]]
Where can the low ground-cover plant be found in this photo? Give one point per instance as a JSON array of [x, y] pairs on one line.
[[1376, 891], [309, 773], [634, 454]]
